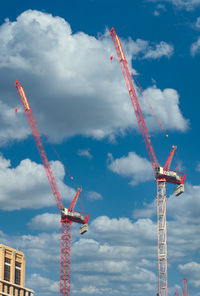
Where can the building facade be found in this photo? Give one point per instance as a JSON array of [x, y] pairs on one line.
[[12, 273]]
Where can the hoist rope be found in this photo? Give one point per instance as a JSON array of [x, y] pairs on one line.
[[141, 90], [70, 176]]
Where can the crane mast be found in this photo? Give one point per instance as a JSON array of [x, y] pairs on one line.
[[68, 216], [162, 174], [185, 289]]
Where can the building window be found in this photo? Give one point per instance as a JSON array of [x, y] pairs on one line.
[[8, 290], [13, 291], [18, 292], [17, 273], [3, 288], [24, 293], [7, 269]]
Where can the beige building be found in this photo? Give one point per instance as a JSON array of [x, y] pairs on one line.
[[12, 273]]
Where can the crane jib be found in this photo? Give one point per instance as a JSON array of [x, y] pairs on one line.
[[140, 118]]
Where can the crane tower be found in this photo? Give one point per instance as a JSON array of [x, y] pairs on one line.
[[163, 174], [68, 216], [185, 289]]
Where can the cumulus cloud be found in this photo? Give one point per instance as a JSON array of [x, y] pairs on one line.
[[28, 185], [136, 168], [183, 222], [14, 126], [110, 252], [191, 270], [67, 78], [42, 284], [166, 104], [186, 205], [46, 221], [115, 250]]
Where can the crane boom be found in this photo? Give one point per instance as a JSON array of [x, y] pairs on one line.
[[160, 172], [40, 146], [134, 99]]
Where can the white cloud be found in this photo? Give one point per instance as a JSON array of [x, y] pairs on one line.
[[136, 168], [181, 4], [93, 195], [186, 206], [117, 251], [162, 49], [195, 47], [182, 222], [13, 125], [84, 152], [159, 9], [28, 186], [165, 104], [191, 270], [110, 252], [145, 50], [67, 78], [42, 284], [197, 24], [46, 221]]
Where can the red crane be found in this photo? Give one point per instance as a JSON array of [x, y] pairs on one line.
[[185, 290], [68, 216], [163, 174]]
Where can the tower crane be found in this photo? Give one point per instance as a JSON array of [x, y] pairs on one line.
[[68, 216], [185, 289], [163, 174]]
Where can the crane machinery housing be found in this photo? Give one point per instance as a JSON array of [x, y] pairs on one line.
[[68, 216], [163, 174]]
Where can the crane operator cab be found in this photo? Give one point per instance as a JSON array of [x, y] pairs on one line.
[[170, 176], [75, 216]]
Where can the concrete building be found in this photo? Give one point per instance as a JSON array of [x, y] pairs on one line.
[[12, 273]]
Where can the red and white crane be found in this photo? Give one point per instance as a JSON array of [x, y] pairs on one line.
[[185, 289], [163, 174], [68, 216]]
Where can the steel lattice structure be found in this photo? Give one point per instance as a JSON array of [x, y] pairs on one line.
[[162, 174], [162, 236], [67, 215], [185, 290]]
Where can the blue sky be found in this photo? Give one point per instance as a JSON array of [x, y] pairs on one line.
[[60, 52]]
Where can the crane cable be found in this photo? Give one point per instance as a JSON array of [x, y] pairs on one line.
[[141, 90], [177, 162], [70, 176]]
